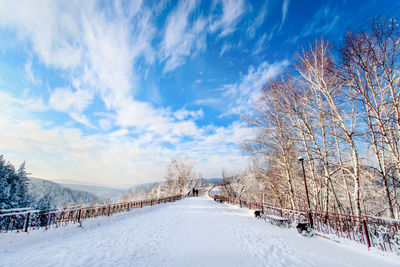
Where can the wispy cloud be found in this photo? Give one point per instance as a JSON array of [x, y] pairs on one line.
[[262, 43], [182, 114], [232, 10], [285, 7], [119, 158], [97, 52], [48, 32], [207, 102], [225, 48], [323, 21], [181, 38], [100, 55], [30, 75], [258, 21], [247, 90], [71, 102]]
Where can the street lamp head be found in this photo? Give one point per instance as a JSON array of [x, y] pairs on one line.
[[300, 159]]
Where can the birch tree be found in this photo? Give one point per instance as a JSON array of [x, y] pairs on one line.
[[371, 70]]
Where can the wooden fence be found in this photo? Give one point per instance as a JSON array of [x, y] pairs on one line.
[[381, 233], [24, 220]]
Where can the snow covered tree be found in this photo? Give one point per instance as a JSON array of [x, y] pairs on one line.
[[47, 194], [180, 176], [13, 186], [335, 115]]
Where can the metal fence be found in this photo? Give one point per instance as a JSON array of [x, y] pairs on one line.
[[381, 233], [24, 220]]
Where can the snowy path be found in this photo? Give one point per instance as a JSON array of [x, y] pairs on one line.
[[190, 232]]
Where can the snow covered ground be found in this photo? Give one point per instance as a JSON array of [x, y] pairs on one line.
[[190, 232]]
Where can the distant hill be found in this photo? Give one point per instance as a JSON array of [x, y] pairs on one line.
[[102, 192], [47, 194], [212, 180]]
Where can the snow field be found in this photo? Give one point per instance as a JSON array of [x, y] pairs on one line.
[[189, 232]]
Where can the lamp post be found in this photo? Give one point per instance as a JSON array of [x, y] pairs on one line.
[[301, 159]]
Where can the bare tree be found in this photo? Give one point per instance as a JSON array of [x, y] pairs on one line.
[[337, 118], [275, 139], [370, 68], [180, 176], [332, 114]]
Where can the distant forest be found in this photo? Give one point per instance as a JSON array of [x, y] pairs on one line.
[[18, 191]]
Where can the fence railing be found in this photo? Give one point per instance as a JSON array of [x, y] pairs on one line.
[[24, 220], [381, 233]]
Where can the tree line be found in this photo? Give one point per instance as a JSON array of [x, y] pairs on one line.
[[339, 111]]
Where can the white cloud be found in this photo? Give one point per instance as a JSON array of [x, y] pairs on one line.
[[206, 101], [182, 114], [107, 48], [232, 11], [29, 74], [104, 54], [64, 99], [10, 105], [257, 22], [120, 158], [180, 40], [285, 7], [161, 122], [225, 48], [98, 52], [262, 43], [323, 21], [72, 102], [48, 25], [247, 90], [106, 123]]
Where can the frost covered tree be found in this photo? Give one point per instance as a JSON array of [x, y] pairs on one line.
[[371, 70], [180, 176], [240, 185], [13, 186], [342, 118]]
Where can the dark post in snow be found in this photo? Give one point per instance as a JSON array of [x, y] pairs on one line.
[[27, 222], [301, 159]]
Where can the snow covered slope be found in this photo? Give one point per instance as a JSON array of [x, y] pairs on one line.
[[190, 232], [48, 195], [102, 192]]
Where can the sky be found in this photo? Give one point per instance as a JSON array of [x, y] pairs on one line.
[[108, 92]]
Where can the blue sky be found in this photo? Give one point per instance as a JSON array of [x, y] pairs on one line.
[[107, 92]]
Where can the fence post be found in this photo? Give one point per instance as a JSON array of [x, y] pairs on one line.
[[109, 209], [141, 204], [364, 222], [28, 215], [310, 219], [79, 215]]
